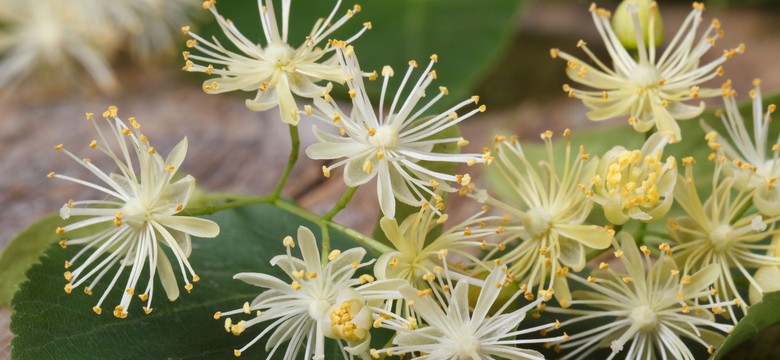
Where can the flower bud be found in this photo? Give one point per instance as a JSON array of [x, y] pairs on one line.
[[646, 11]]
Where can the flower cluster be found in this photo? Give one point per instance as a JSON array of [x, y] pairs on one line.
[[454, 292]]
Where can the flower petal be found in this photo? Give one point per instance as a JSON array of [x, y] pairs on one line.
[[190, 225], [167, 277], [592, 236], [309, 249]]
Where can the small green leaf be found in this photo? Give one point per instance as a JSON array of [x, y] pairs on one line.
[[50, 324], [759, 317]]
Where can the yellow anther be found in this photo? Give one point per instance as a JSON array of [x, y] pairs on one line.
[[334, 254], [603, 266], [288, 242], [188, 287], [365, 278], [97, 310], [295, 285]]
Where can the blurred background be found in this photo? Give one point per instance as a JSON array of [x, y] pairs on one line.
[[60, 59]]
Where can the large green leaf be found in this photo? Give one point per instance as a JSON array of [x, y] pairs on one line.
[[51, 324], [759, 317], [467, 36]]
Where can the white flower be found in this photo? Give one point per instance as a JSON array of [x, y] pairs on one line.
[[277, 70], [52, 39], [651, 90], [318, 301], [753, 166], [137, 216], [635, 184], [652, 306], [149, 26], [391, 146], [547, 216], [720, 231], [416, 256], [450, 330]]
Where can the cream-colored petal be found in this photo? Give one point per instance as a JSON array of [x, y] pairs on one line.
[[167, 277], [309, 249], [190, 225], [572, 253], [701, 280], [288, 109], [264, 100], [385, 191], [354, 175], [177, 155], [592, 236], [768, 278]]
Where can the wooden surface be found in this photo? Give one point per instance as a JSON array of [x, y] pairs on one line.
[[235, 150]]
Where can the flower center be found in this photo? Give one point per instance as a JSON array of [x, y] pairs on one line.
[[719, 237], [645, 76], [280, 55], [643, 317], [135, 212], [385, 136], [538, 221], [318, 308], [467, 345], [341, 322]]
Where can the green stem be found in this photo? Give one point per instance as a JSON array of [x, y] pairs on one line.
[[341, 204], [325, 243], [208, 210], [640, 239], [355, 235], [296, 147]]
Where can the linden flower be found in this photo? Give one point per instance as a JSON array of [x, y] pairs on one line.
[[415, 259], [276, 71], [134, 221], [452, 331], [752, 166], [651, 90], [551, 208], [390, 146], [53, 37], [718, 232], [318, 301], [635, 184], [150, 25], [652, 306]]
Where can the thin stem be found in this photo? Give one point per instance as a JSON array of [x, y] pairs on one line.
[[325, 243], [296, 147], [640, 239], [354, 235], [208, 210], [341, 204]]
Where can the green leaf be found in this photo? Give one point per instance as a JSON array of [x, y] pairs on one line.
[[50, 324], [759, 317], [467, 36], [22, 251]]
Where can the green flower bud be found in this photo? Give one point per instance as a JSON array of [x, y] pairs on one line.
[[623, 22]]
